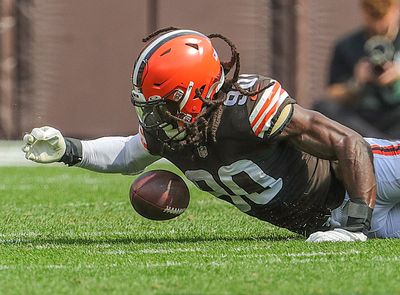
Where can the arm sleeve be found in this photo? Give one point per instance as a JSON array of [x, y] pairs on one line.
[[125, 155]]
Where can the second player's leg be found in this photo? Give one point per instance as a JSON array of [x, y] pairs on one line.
[[386, 215]]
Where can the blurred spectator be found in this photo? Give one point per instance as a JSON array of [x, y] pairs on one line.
[[364, 79]]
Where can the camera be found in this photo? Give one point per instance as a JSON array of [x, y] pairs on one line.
[[379, 51]]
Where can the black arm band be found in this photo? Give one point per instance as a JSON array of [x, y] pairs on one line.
[[358, 216], [73, 151]]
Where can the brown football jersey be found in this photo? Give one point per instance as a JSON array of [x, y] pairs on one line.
[[263, 177]]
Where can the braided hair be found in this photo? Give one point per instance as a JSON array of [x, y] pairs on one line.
[[204, 128]]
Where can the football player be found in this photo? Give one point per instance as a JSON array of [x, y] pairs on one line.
[[244, 140]]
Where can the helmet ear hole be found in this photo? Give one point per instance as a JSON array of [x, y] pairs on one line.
[[199, 92], [201, 89]]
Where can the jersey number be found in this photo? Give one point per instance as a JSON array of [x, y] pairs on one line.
[[235, 97], [271, 185]]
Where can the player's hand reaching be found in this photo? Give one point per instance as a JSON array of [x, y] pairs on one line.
[[44, 145], [337, 235]]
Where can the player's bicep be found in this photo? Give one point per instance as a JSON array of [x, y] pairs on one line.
[[316, 134]]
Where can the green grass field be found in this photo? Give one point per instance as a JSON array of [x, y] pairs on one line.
[[70, 231]]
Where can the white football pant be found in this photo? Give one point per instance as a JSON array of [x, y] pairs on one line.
[[386, 215]]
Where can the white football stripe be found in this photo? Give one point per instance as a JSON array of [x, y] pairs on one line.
[[175, 211]]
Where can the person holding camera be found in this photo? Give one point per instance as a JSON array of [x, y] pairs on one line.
[[364, 78]]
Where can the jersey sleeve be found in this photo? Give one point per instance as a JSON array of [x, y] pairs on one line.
[[271, 110]]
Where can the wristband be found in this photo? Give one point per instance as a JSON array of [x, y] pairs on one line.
[[358, 215], [73, 151]]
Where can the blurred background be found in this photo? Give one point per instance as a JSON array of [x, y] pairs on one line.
[[67, 64]]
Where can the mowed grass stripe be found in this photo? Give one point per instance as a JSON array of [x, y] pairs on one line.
[[70, 231]]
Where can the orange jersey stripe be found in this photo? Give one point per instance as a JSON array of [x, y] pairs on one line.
[[267, 117], [266, 104]]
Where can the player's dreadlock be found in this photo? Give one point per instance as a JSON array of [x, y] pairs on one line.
[[207, 122], [158, 32]]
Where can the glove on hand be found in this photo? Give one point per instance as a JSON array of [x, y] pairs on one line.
[[44, 145], [336, 235]]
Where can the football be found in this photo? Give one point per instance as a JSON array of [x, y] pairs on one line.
[[159, 195]]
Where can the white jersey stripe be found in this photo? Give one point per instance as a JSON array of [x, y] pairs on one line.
[[268, 123], [247, 75], [276, 99], [247, 83], [260, 103], [265, 98]]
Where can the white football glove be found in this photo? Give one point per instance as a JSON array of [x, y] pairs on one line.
[[336, 235], [44, 145]]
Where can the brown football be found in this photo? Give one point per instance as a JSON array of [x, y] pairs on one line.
[[159, 195]]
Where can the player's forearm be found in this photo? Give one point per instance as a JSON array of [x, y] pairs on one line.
[[319, 136], [356, 168], [124, 155]]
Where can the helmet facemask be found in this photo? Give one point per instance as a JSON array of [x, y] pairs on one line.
[[165, 115]]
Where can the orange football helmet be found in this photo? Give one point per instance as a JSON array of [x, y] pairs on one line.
[[170, 72]]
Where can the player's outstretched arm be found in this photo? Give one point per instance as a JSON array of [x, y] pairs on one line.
[[315, 134], [126, 155]]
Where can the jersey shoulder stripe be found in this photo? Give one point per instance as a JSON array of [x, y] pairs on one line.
[[266, 108], [247, 81]]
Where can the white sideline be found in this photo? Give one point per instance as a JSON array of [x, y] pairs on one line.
[[305, 254], [11, 154], [268, 260]]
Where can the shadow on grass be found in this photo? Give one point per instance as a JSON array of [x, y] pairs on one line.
[[141, 240]]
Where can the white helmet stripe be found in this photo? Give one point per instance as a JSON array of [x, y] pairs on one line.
[[136, 77]]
